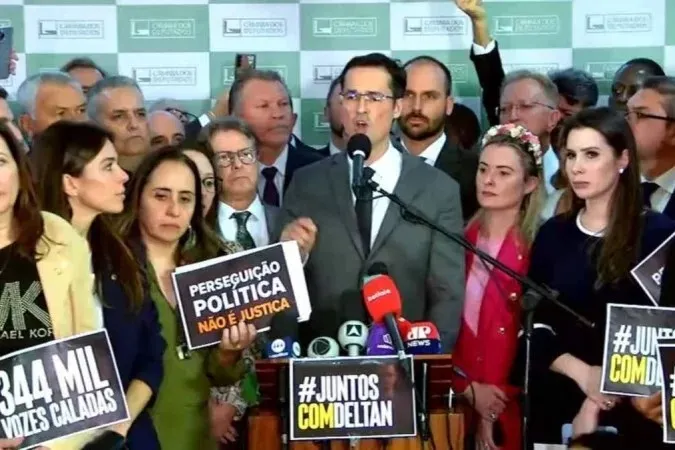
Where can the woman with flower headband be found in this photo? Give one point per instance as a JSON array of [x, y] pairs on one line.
[[586, 255], [510, 191]]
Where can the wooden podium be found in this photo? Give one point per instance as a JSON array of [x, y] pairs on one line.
[[447, 426]]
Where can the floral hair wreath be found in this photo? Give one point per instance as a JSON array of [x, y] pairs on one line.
[[520, 134]]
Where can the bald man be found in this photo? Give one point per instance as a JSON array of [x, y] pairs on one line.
[[165, 129]]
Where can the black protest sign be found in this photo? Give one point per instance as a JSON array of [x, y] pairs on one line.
[[60, 388], [630, 362], [359, 397], [649, 271], [249, 286], [667, 360]]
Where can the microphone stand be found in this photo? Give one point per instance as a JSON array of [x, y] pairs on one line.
[[534, 292]]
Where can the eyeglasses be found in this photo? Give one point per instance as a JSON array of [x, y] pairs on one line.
[[245, 155], [184, 116], [639, 115], [210, 184], [521, 107], [354, 97]]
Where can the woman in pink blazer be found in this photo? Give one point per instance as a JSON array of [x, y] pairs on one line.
[[510, 192]]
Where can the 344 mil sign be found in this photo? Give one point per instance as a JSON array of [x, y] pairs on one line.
[[352, 397], [60, 388]]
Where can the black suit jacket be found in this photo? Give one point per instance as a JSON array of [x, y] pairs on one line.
[[299, 156], [324, 151], [491, 75], [192, 130], [461, 165]]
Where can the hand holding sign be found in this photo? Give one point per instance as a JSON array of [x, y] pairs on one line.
[[650, 407], [9, 444], [238, 337], [303, 231]]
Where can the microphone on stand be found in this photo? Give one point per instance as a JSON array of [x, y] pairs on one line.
[[352, 337], [383, 303], [323, 347], [283, 343], [358, 149], [423, 339]]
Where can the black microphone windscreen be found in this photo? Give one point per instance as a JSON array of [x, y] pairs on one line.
[[359, 142], [283, 324], [377, 268]]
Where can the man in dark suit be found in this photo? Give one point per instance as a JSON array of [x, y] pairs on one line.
[[333, 113], [242, 216], [427, 103], [344, 236], [651, 114], [263, 101]]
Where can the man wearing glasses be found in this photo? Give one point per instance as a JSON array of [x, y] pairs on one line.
[[651, 114], [344, 235], [242, 216], [531, 100]]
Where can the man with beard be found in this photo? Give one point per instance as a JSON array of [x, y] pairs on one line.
[[116, 103], [426, 104], [332, 113]]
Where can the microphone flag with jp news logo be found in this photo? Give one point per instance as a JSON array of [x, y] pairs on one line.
[[351, 397], [630, 361], [649, 272], [60, 388], [250, 286]]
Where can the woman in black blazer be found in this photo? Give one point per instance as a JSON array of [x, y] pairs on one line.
[[78, 178]]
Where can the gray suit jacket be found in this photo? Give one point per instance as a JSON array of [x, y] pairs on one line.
[[427, 268]]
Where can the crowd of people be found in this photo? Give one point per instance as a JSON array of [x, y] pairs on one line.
[[102, 199]]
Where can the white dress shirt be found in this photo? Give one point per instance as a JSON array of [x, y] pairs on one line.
[[430, 154], [480, 50], [333, 149], [387, 172], [661, 196], [256, 224], [551, 166], [280, 164]]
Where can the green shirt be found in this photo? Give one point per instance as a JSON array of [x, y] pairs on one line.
[[180, 413]]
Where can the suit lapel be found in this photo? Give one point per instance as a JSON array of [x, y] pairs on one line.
[[271, 213], [339, 181], [292, 163], [409, 184], [449, 160], [669, 210]]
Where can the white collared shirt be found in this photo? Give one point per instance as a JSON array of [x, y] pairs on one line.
[[333, 149], [661, 196], [551, 166], [280, 164], [387, 172], [430, 154], [256, 224]]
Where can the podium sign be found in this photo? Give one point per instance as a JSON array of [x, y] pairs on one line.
[[630, 363], [352, 397], [60, 388]]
